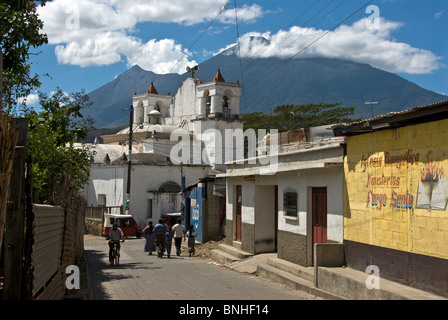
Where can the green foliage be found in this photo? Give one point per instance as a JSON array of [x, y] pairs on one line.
[[291, 117], [54, 130], [20, 28], [51, 137]]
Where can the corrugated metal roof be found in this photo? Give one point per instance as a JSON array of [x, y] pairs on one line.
[[392, 115]]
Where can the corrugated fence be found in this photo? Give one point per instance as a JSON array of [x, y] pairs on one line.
[[47, 247], [58, 242]]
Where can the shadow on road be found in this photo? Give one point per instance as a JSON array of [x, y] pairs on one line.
[[101, 272]]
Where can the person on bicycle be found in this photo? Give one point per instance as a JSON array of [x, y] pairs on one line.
[[115, 235]]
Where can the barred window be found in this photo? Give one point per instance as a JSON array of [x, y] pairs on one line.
[[290, 204]]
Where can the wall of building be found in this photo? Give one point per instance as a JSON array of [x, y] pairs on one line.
[[109, 181], [146, 183], [196, 211], [294, 234], [396, 200], [212, 217]]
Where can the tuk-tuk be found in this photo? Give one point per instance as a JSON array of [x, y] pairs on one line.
[[171, 218], [125, 222]]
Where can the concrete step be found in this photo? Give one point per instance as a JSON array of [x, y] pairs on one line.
[[352, 284], [222, 257], [240, 254], [294, 282], [297, 270]]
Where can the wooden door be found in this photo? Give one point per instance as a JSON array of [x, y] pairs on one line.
[[238, 213], [319, 211], [276, 216], [187, 212]]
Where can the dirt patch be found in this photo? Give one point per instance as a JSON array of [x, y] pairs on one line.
[[203, 249]]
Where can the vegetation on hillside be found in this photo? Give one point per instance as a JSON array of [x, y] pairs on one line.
[[289, 117]]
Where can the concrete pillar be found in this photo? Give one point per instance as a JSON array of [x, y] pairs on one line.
[[216, 105]]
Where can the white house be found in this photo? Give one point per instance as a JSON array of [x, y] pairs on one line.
[[292, 206]]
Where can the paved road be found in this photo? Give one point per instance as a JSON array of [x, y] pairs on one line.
[[143, 277]]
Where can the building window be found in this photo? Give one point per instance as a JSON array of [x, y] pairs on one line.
[[102, 200], [149, 214], [225, 107], [208, 105], [290, 204]]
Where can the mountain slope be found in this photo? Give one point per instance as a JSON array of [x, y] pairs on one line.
[[271, 82]]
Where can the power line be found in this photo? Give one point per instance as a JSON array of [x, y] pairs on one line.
[[289, 25], [301, 35], [200, 36], [239, 52], [310, 44]]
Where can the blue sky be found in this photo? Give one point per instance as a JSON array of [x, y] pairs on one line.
[[93, 41]]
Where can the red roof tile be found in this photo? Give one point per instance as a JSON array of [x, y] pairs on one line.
[[218, 77], [152, 89]]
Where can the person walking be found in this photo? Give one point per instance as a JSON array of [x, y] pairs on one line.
[[150, 245], [169, 241], [179, 232], [160, 230], [191, 235]]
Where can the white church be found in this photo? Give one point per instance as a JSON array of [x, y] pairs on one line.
[[176, 143]]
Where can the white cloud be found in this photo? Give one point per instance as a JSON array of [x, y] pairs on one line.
[[102, 32], [354, 42], [31, 100], [439, 14], [246, 14]]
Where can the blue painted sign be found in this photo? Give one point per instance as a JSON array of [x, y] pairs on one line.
[[195, 213]]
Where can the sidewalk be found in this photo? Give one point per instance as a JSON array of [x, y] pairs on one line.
[[333, 283]]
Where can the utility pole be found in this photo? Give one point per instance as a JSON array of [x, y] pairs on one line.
[[371, 105], [128, 188]]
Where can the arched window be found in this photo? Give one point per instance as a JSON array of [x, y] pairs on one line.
[[170, 187], [225, 107]]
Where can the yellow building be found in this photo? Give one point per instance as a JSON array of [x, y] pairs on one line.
[[395, 197]]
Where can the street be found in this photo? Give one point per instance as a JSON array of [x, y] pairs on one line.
[[143, 277]]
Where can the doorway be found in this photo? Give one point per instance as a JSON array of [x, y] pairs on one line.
[[187, 212], [317, 229], [319, 213], [239, 201], [266, 218]]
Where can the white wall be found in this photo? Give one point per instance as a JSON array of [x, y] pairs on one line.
[[146, 181], [107, 180], [112, 181], [300, 181]]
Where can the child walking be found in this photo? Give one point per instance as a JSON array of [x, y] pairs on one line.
[[191, 234]]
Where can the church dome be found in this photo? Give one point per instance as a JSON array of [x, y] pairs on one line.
[[154, 113]]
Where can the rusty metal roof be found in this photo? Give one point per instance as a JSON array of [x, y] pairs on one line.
[[419, 114]]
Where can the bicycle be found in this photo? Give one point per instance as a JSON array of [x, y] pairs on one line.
[[115, 258]]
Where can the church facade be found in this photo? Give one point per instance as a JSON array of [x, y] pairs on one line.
[[177, 141]]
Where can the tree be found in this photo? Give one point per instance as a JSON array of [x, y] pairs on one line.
[[20, 28], [289, 117], [51, 137]]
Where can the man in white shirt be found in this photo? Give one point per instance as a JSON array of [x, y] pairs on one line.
[[179, 232]]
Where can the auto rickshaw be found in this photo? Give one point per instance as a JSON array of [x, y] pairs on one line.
[[170, 219], [125, 222]]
